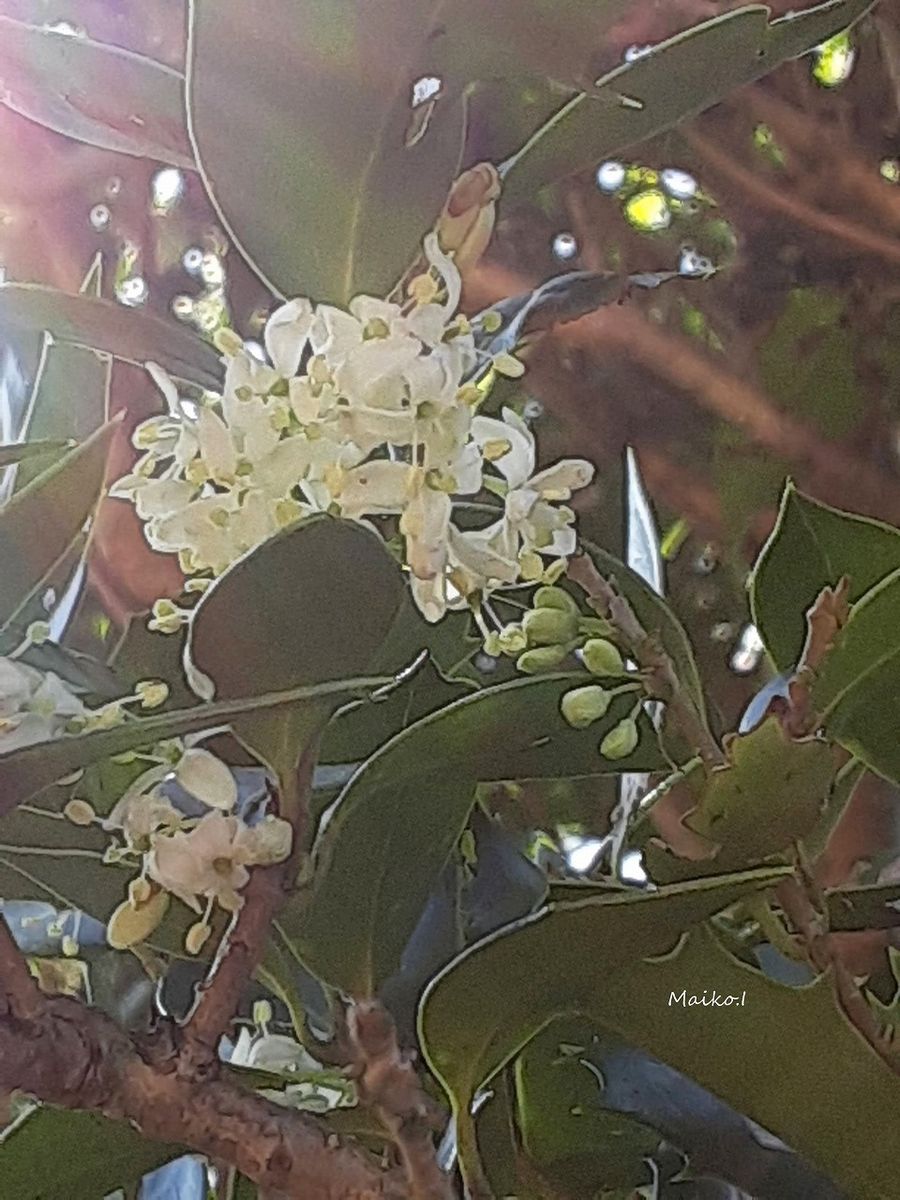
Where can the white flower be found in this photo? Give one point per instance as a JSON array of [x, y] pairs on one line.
[[530, 496], [286, 335], [364, 412], [35, 706], [211, 860]]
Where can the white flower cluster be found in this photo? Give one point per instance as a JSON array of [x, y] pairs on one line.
[[203, 861], [382, 421], [35, 706]]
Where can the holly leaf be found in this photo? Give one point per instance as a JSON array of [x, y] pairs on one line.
[[488, 1004], [811, 546], [393, 826]]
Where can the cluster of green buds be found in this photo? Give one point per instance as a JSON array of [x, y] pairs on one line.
[[549, 632]]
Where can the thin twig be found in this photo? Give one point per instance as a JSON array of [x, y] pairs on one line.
[[661, 678]]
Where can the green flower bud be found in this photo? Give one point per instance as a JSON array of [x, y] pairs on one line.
[[512, 640], [492, 645], [549, 626], [602, 658], [544, 658], [555, 597], [621, 739], [582, 706]]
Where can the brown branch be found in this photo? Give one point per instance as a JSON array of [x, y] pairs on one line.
[[752, 186], [662, 680], [387, 1081], [74, 1057]]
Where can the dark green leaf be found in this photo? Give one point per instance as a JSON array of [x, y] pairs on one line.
[[785, 1057], [51, 1154], [58, 503], [397, 820], [313, 603], [492, 1000], [811, 547], [581, 1145], [99, 94], [27, 771], [675, 79], [135, 337], [322, 132], [18, 452]]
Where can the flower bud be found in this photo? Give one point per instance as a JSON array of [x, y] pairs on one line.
[[262, 1013], [139, 891], [621, 740], [492, 645], [197, 937], [508, 365], [79, 812], [207, 778], [131, 923], [151, 692], [467, 221], [549, 626], [555, 597], [601, 657], [582, 706], [544, 658], [512, 640]]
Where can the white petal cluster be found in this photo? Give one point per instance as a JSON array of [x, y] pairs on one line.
[[35, 706], [362, 413], [203, 861]]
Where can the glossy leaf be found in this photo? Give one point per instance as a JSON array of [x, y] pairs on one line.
[[395, 823], [766, 1057], [324, 132], [135, 337], [492, 1000], [811, 547], [95, 93], [30, 769], [674, 79], [566, 1129], [313, 603], [58, 503], [52, 1154]]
